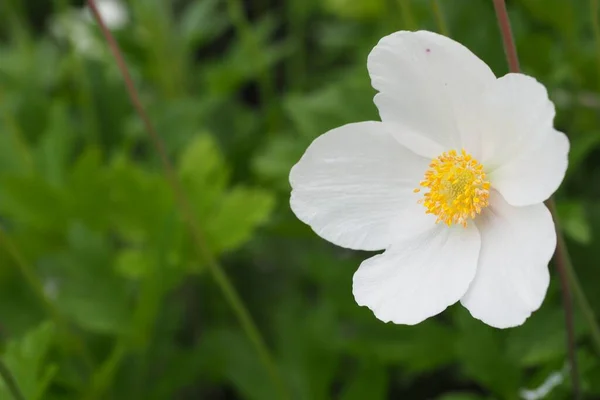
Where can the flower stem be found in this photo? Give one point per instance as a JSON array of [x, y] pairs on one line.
[[10, 382], [566, 274], [507, 38], [562, 259], [439, 18], [204, 253]]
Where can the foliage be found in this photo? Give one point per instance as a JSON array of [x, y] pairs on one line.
[[85, 206]]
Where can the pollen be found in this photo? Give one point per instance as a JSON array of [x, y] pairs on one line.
[[458, 189]]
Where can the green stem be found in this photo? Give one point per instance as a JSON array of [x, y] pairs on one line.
[[38, 289], [10, 382], [439, 18], [184, 205], [104, 376], [564, 266], [582, 301]]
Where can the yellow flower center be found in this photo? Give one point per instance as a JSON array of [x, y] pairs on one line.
[[457, 187]]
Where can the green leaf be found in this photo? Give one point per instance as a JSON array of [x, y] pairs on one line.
[[200, 22], [25, 358], [15, 154], [229, 354], [227, 217], [369, 382], [236, 216], [347, 99], [53, 150], [246, 59], [203, 171], [276, 159], [132, 263], [581, 146], [423, 347], [28, 200], [526, 345], [88, 190], [574, 221], [483, 357], [309, 351], [460, 396], [88, 289], [139, 201]]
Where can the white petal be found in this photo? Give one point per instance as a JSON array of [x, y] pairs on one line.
[[533, 176], [512, 275], [418, 278], [426, 82], [351, 183], [511, 118]]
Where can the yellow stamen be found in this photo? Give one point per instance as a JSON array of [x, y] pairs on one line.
[[458, 189]]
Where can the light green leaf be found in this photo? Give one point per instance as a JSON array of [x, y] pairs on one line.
[[203, 171], [574, 221], [348, 99], [53, 150], [228, 217], [201, 21], [132, 263], [25, 358], [274, 162], [237, 214], [139, 201], [88, 289]]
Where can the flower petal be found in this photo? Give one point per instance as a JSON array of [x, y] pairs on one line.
[[351, 183], [533, 176], [426, 82], [512, 117], [512, 275], [418, 278]]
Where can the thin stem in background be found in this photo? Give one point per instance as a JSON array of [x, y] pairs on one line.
[[439, 18], [10, 382], [561, 256], [38, 289], [507, 38], [566, 273], [185, 208], [595, 11]]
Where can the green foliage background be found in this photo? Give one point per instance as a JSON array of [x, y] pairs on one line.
[[102, 293]]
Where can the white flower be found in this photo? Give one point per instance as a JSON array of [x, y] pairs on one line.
[[113, 13], [469, 225], [77, 26]]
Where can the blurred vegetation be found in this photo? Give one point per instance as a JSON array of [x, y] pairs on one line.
[[102, 295]]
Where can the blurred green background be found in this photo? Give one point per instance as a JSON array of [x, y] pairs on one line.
[[102, 292]]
